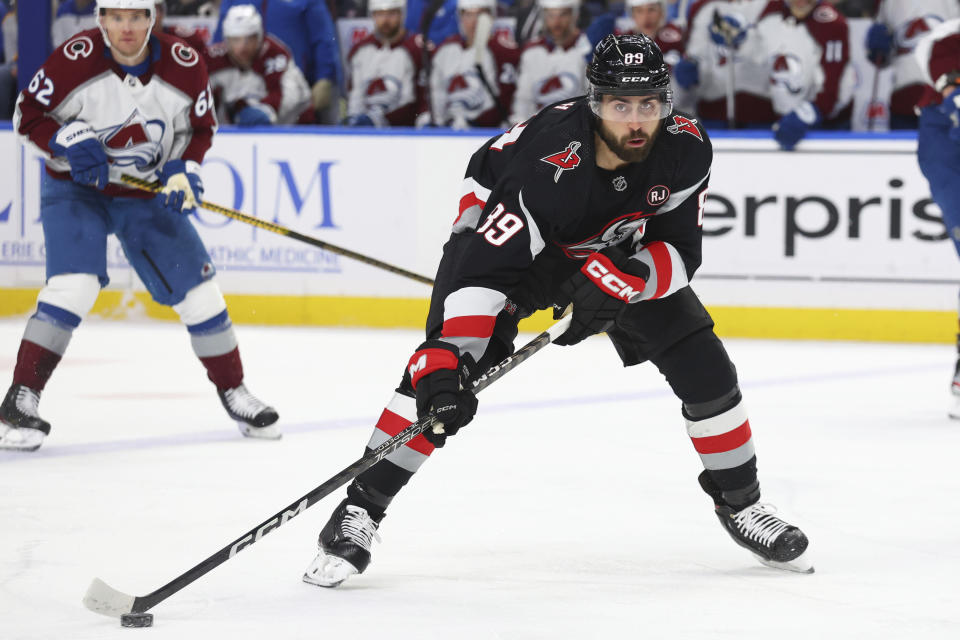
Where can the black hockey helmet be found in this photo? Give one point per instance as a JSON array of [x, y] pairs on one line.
[[630, 65]]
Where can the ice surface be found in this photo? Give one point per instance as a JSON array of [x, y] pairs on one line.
[[568, 509]]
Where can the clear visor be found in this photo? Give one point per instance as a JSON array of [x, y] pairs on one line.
[[654, 105]]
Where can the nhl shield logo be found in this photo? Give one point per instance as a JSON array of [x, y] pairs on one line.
[[620, 183], [565, 160]]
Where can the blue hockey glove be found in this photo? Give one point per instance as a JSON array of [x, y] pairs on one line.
[[879, 44], [686, 73], [950, 107], [78, 143], [358, 120], [441, 377], [182, 186], [251, 117], [792, 127], [727, 31]]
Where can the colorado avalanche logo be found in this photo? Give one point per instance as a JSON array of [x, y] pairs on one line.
[[909, 34], [685, 125], [614, 233], [786, 73], [184, 55], [136, 142], [383, 92], [79, 47], [557, 88], [466, 91], [565, 160]]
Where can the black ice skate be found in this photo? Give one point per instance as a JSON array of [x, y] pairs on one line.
[[344, 544], [254, 418], [21, 428], [774, 542]]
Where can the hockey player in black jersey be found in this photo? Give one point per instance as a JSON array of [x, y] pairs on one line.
[[597, 202]]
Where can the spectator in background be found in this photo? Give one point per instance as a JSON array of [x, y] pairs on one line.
[[190, 36], [192, 7], [438, 27], [723, 60], [552, 67], [8, 60], [807, 45], [891, 41], [385, 71], [305, 26], [254, 78], [73, 16], [459, 96]]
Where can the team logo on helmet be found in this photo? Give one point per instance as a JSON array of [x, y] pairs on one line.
[[614, 233], [135, 142], [185, 55], [564, 160], [657, 195], [685, 125], [80, 47]]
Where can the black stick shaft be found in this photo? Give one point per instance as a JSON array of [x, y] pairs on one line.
[[144, 603], [154, 187]]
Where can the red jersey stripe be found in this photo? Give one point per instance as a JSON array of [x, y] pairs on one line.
[[725, 441], [392, 424], [664, 267], [469, 327]]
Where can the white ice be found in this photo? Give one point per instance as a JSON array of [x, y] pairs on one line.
[[568, 509]]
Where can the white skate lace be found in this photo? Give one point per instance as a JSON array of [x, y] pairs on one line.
[[243, 403], [359, 528], [757, 522], [27, 401]]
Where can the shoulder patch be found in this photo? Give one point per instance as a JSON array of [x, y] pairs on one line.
[[564, 160], [825, 13], [79, 47], [669, 34], [685, 125], [184, 55]]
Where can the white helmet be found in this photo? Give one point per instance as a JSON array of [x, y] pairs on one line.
[[559, 4], [242, 20], [466, 5], [148, 5], [639, 3], [385, 5]]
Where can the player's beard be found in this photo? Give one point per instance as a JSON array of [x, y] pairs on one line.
[[619, 145]]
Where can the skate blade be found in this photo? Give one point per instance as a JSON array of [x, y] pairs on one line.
[[328, 571], [269, 432], [14, 439], [801, 564]]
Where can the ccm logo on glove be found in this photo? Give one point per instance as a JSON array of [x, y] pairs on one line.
[[601, 270]]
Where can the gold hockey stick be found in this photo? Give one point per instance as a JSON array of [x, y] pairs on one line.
[[155, 187]]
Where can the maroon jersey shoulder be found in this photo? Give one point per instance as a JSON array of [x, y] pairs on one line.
[[826, 23], [534, 43], [504, 49], [274, 47], [180, 65], [670, 38], [773, 8], [366, 41], [75, 61]]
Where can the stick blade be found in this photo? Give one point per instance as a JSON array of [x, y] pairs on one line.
[[480, 36], [104, 599]]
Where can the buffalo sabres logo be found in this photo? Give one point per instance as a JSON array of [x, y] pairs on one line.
[[184, 55], [79, 47], [136, 142], [685, 125], [620, 183], [565, 160], [614, 233]]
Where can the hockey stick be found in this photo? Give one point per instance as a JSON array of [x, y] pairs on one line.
[[426, 61], [104, 599], [481, 35], [724, 29], [154, 187]]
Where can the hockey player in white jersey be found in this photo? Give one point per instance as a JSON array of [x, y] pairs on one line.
[[552, 66], [254, 77], [892, 40], [806, 45], [460, 97], [113, 101], [385, 88]]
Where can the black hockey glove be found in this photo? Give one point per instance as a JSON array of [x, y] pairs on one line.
[[439, 374], [599, 291]]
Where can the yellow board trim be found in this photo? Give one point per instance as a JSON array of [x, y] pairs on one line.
[[883, 325]]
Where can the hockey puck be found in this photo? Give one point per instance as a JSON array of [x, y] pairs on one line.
[[136, 620]]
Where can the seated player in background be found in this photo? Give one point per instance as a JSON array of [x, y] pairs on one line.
[[254, 78], [385, 85], [109, 102], [598, 202], [891, 41], [938, 138], [73, 16], [459, 95], [806, 45], [551, 66]]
